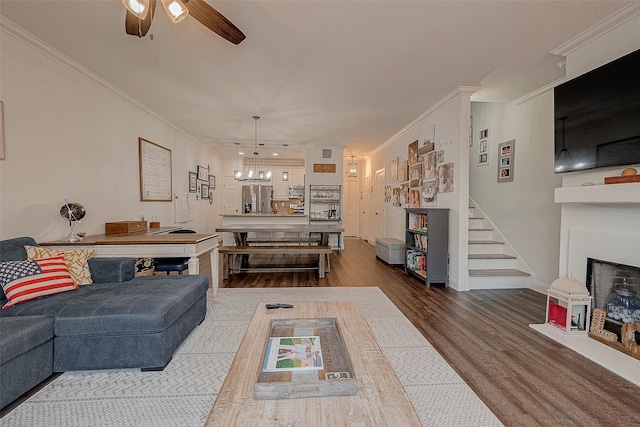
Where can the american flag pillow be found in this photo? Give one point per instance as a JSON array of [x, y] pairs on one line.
[[25, 280]]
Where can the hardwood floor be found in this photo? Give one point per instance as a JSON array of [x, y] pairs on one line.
[[525, 378]]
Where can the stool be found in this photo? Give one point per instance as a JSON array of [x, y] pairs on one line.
[[390, 250], [173, 264]]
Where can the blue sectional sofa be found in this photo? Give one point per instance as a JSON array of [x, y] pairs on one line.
[[119, 321]]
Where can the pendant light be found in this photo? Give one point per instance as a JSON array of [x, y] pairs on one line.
[[139, 8], [352, 169], [256, 161], [175, 9], [237, 174], [563, 158], [285, 172]]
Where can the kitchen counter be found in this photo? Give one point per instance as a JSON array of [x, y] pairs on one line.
[[284, 218], [263, 215]]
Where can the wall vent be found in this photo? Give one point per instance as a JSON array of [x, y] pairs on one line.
[[326, 153]]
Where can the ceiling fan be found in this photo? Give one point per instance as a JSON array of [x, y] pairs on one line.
[[140, 14]]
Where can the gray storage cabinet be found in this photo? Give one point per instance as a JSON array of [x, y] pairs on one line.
[[427, 244]]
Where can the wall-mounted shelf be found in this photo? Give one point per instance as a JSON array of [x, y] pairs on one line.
[[598, 194]]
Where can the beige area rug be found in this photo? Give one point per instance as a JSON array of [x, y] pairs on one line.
[[184, 392]]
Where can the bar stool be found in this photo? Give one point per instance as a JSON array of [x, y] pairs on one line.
[[173, 264]]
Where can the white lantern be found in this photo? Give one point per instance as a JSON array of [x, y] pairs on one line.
[[568, 306]]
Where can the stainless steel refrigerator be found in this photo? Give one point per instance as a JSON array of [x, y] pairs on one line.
[[256, 199]]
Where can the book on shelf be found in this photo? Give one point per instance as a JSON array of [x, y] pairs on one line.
[[415, 260], [420, 241], [418, 222], [293, 354]]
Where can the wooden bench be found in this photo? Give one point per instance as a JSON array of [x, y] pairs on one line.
[[231, 253], [283, 241]]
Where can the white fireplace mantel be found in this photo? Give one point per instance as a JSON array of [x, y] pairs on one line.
[[599, 194]]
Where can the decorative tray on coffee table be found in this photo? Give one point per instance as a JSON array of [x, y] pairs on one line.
[[332, 374]]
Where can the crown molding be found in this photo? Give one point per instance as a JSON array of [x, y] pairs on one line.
[[620, 17], [538, 92], [11, 29], [443, 102]]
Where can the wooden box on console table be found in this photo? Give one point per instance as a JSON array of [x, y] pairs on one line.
[[125, 227]]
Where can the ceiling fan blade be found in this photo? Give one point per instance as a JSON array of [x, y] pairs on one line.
[[136, 27], [213, 20]]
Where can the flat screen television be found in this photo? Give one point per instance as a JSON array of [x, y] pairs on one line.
[[597, 117]]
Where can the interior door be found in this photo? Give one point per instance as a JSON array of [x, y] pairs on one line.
[[230, 195], [365, 206], [378, 225], [351, 203]]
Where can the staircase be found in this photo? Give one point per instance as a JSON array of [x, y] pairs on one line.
[[492, 262]]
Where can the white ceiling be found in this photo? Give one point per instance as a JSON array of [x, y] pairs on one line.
[[350, 73]]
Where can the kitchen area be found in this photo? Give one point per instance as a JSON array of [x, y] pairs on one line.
[[310, 195]]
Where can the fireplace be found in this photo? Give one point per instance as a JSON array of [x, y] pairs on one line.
[[616, 247], [615, 289]]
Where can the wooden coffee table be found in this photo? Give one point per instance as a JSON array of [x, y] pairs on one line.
[[380, 398]]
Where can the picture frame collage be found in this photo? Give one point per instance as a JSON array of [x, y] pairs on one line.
[[483, 148], [420, 177], [202, 183]]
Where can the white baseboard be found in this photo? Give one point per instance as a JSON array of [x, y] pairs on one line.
[[540, 287]]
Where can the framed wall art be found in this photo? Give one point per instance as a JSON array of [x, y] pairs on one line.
[[193, 182], [506, 161], [212, 182], [204, 191], [483, 152], [428, 166], [402, 171], [415, 174], [394, 169], [203, 173], [412, 153], [155, 172]]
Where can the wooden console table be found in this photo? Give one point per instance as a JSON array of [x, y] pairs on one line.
[[156, 243], [380, 398]]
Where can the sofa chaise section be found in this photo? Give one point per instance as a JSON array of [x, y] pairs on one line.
[[26, 355], [118, 321], [133, 324]]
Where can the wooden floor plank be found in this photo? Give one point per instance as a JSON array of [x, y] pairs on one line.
[[525, 378]]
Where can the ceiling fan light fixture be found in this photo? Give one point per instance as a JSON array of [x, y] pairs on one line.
[[176, 10], [140, 8]]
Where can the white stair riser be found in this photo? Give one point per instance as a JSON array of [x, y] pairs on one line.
[[489, 248], [476, 223], [509, 282], [480, 234], [491, 264]]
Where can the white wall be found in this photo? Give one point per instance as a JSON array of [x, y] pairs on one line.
[[314, 155], [522, 210], [451, 118], [71, 135]]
